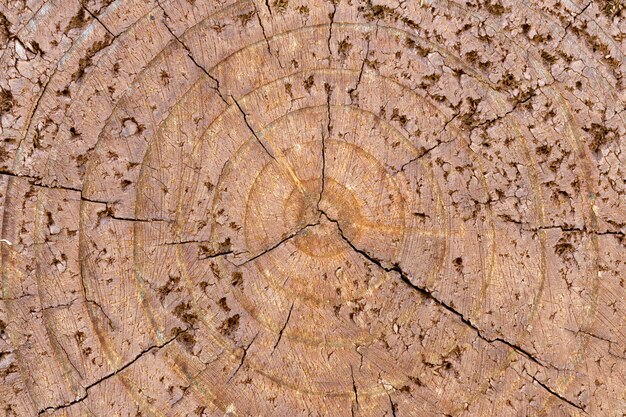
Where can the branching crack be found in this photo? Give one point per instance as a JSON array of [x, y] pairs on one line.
[[558, 45], [489, 122], [189, 54], [258, 16], [111, 374], [280, 333]]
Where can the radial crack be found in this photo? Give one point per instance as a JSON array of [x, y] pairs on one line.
[[267, 42], [558, 45], [245, 119], [31, 117], [67, 356], [489, 122], [574, 229], [258, 16], [189, 54], [111, 374], [554, 393], [354, 388], [393, 406], [325, 135], [243, 358], [98, 20], [36, 181], [358, 81], [280, 333], [429, 295], [283, 240], [323, 185], [331, 15], [424, 153]]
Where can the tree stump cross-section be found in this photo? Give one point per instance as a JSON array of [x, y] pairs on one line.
[[312, 208]]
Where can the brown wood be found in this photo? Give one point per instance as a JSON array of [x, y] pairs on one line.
[[312, 208]]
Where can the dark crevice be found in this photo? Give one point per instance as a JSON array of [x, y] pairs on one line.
[[245, 119], [32, 114], [358, 81], [393, 406], [589, 334], [323, 185], [556, 394], [132, 219], [258, 16], [280, 333], [325, 135], [574, 229], [445, 126], [93, 302], [428, 150], [243, 358], [354, 388], [563, 227], [110, 322], [182, 242], [489, 122], [19, 297], [37, 181], [61, 305], [89, 200], [67, 356], [98, 20], [283, 240], [330, 28], [558, 45], [110, 374], [429, 295], [203, 253], [424, 153], [216, 255], [267, 42], [189, 54]]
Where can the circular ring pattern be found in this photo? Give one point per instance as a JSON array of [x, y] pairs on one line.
[[313, 208]]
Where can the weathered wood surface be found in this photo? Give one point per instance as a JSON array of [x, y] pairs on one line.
[[296, 208]]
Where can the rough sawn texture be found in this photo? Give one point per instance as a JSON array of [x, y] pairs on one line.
[[312, 208]]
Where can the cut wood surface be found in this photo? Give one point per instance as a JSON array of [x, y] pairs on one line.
[[312, 208]]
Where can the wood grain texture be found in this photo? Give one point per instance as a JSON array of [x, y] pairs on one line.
[[312, 208]]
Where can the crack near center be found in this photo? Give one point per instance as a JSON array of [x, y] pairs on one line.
[[429, 295]]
